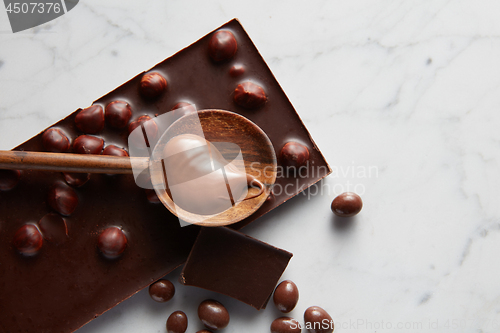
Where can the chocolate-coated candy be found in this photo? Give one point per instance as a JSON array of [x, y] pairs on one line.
[[177, 322], [152, 196], [213, 314], [118, 114], [86, 144], [294, 154], [114, 151], [54, 140], [162, 291], [54, 228], [76, 179], [249, 95], [317, 320], [62, 199], [152, 85], [347, 204], [112, 242], [286, 296], [222, 45], [9, 179], [90, 120], [237, 70], [28, 240], [204, 331], [285, 325]]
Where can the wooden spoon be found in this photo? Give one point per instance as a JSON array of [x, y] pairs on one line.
[[218, 126]]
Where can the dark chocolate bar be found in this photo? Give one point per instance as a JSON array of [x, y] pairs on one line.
[[73, 246], [234, 264]]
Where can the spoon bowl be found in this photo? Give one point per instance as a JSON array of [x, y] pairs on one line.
[[219, 128]]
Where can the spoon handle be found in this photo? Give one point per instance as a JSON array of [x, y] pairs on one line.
[[27, 160]]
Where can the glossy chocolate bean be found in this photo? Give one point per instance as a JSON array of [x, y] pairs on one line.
[[294, 154], [112, 242], [62, 198], [152, 85], [317, 320], [90, 120], [249, 95], [286, 296], [86, 144], [285, 325], [213, 314], [76, 179], [54, 228], [54, 140], [162, 291], [204, 331], [114, 151], [347, 204], [222, 45], [118, 114], [28, 240], [9, 179], [177, 322]]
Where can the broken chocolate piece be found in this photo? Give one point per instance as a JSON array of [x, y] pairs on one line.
[[235, 264], [177, 322]]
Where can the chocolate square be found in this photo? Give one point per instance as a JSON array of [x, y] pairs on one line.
[[234, 264]]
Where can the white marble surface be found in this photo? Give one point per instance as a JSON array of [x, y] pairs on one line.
[[409, 88]]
